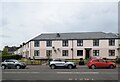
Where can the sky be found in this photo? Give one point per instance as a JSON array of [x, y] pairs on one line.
[[22, 20]]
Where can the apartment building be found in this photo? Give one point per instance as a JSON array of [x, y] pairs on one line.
[[71, 46]]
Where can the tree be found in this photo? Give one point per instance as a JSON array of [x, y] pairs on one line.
[[48, 54], [5, 51]]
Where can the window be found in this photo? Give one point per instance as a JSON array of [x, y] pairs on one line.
[[79, 42], [111, 52], [95, 42], [65, 43], [6, 60], [111, 42], [95, 61], [9, 61], [95, 52], [48, 53], [57, 60], [79, 52], [101, 60], [65, 52], [36, 43], [28, 45], [36, 52], [49, 43]]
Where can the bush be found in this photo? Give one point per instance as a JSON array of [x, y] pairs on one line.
[[117, 60], [4, 57]]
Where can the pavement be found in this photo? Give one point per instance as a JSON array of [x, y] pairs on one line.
[[43, 72]]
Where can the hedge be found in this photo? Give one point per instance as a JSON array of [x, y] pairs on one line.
[[4, 57], [31, 62], [77, 61]]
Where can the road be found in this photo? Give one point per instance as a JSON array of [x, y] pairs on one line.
[[38, 72]]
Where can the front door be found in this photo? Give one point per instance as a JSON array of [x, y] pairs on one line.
[[87, 53]]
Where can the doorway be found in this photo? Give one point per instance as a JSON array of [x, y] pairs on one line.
[[87, 53]]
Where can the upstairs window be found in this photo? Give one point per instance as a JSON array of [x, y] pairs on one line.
[[111, 42], [36, 43], [65, 43], [79, 42], [95, 42], [49, 43]]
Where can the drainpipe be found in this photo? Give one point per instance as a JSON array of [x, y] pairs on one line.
[[30, 50], [72, 50]]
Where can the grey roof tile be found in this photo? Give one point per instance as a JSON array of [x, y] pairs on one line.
[[80, 35]]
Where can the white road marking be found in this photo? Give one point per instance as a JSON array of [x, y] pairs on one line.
[[78, 72], [75, 78], [80, 79], [60, 72], [53, 72], [92, 79], [21, 72], [70, 79]]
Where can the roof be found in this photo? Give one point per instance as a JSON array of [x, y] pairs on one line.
[[80, 35]]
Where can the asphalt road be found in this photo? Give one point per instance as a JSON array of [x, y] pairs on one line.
[[38, 72]]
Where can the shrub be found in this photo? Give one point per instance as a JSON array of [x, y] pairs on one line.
[[4, 57], [117, 60]]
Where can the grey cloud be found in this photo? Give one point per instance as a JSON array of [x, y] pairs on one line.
[[26, 20], [5, 36]]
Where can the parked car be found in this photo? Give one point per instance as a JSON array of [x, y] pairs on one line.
[[100, 63], [62, 63], [12, 63]]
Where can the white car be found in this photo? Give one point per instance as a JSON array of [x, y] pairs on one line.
[[62, 63]]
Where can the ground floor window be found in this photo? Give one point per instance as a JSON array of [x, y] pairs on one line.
[[48, 53], [79, 52], [111, 52], [36, 52], [64, 52], [95, 52]]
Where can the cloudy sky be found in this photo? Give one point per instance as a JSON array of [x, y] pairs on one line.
[[23, 20]]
